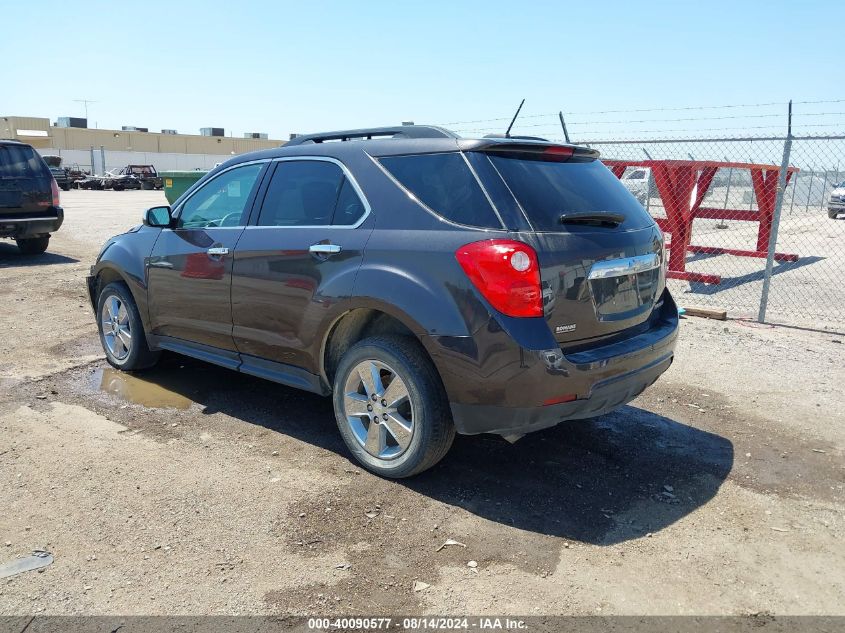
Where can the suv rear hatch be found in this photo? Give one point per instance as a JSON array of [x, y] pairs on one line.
[[25, 181], [600, 253]]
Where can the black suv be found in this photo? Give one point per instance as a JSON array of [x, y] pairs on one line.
[[432, 284], [29, 198]]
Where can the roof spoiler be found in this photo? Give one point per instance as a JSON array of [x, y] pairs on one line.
[[531, 148], [399, 131]]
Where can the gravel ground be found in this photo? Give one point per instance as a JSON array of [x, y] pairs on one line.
[[194, 490]]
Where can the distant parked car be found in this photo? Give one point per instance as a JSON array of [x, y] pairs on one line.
[[89, 181], [134, 177], [118, 180], [75, 173], [61, 175], [638, 183], [836, 203], [29, 198]]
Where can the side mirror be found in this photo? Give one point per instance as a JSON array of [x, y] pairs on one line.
[[158, 217]]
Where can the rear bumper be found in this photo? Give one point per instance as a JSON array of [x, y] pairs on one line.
[[605, 397], [21, 226], [507, 390]]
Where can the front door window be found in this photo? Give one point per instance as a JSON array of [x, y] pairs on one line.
[[221, 201]]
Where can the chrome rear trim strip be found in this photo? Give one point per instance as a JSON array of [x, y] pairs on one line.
[[625, 266]]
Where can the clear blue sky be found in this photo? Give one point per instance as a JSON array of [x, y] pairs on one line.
[[283, 67]]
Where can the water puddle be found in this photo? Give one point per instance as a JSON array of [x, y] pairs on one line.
[[135, 389]]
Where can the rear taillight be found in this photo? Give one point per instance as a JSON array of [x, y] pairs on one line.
[[54, 187], [506, 273]]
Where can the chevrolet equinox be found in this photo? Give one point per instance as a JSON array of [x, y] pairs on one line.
[[431, 284]]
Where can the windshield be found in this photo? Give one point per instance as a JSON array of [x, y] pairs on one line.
[[548, 190]]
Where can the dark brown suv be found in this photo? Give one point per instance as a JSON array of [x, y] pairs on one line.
[[432, 284]]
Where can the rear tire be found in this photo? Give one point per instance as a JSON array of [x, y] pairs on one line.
[[121, 331], [832, 213], [408, 427], [33, 245]]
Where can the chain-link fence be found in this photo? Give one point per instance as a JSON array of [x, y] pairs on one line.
[[716, 200], [715, 194]]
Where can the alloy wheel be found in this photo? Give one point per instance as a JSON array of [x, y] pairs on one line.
[[117, 332], [378, 409]]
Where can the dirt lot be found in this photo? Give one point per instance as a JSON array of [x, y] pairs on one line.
[[195, 490]]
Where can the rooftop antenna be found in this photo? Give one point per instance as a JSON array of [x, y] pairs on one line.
[[513, 120], [85, 102], [563, 125]]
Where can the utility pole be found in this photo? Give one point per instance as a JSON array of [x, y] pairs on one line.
[[85, 102]]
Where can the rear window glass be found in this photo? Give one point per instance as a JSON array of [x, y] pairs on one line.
[[444, 184], [19, 161], [546, 190]]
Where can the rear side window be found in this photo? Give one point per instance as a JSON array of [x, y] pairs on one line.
[[547, 190], [349, 207], [445, 184], [20, 161], [310, 193]]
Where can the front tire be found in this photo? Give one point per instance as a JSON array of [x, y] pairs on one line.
[[391, 408], [121, 331], [832, 214], [33, 245]]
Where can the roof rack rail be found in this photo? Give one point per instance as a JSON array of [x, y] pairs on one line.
[[399, 131]]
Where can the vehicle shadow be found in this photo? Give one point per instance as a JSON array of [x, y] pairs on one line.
[[10, 256], [602, 481]]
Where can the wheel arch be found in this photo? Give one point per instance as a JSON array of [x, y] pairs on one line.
[[107, 272], [363, 321]]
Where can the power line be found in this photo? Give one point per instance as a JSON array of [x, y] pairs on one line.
[[715, 118], [678, 109], [717, 129], [600, 134]]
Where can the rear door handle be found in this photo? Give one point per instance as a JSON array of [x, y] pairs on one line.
[[217, 251], [324, 249]]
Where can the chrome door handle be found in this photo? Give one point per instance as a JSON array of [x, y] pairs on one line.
[[324, 249], [217, 251]]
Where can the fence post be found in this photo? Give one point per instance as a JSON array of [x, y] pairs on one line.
[[824, 186], [794, 188], [810, 188], [773, 235]]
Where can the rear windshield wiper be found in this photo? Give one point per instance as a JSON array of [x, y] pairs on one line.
[[593, 218]]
